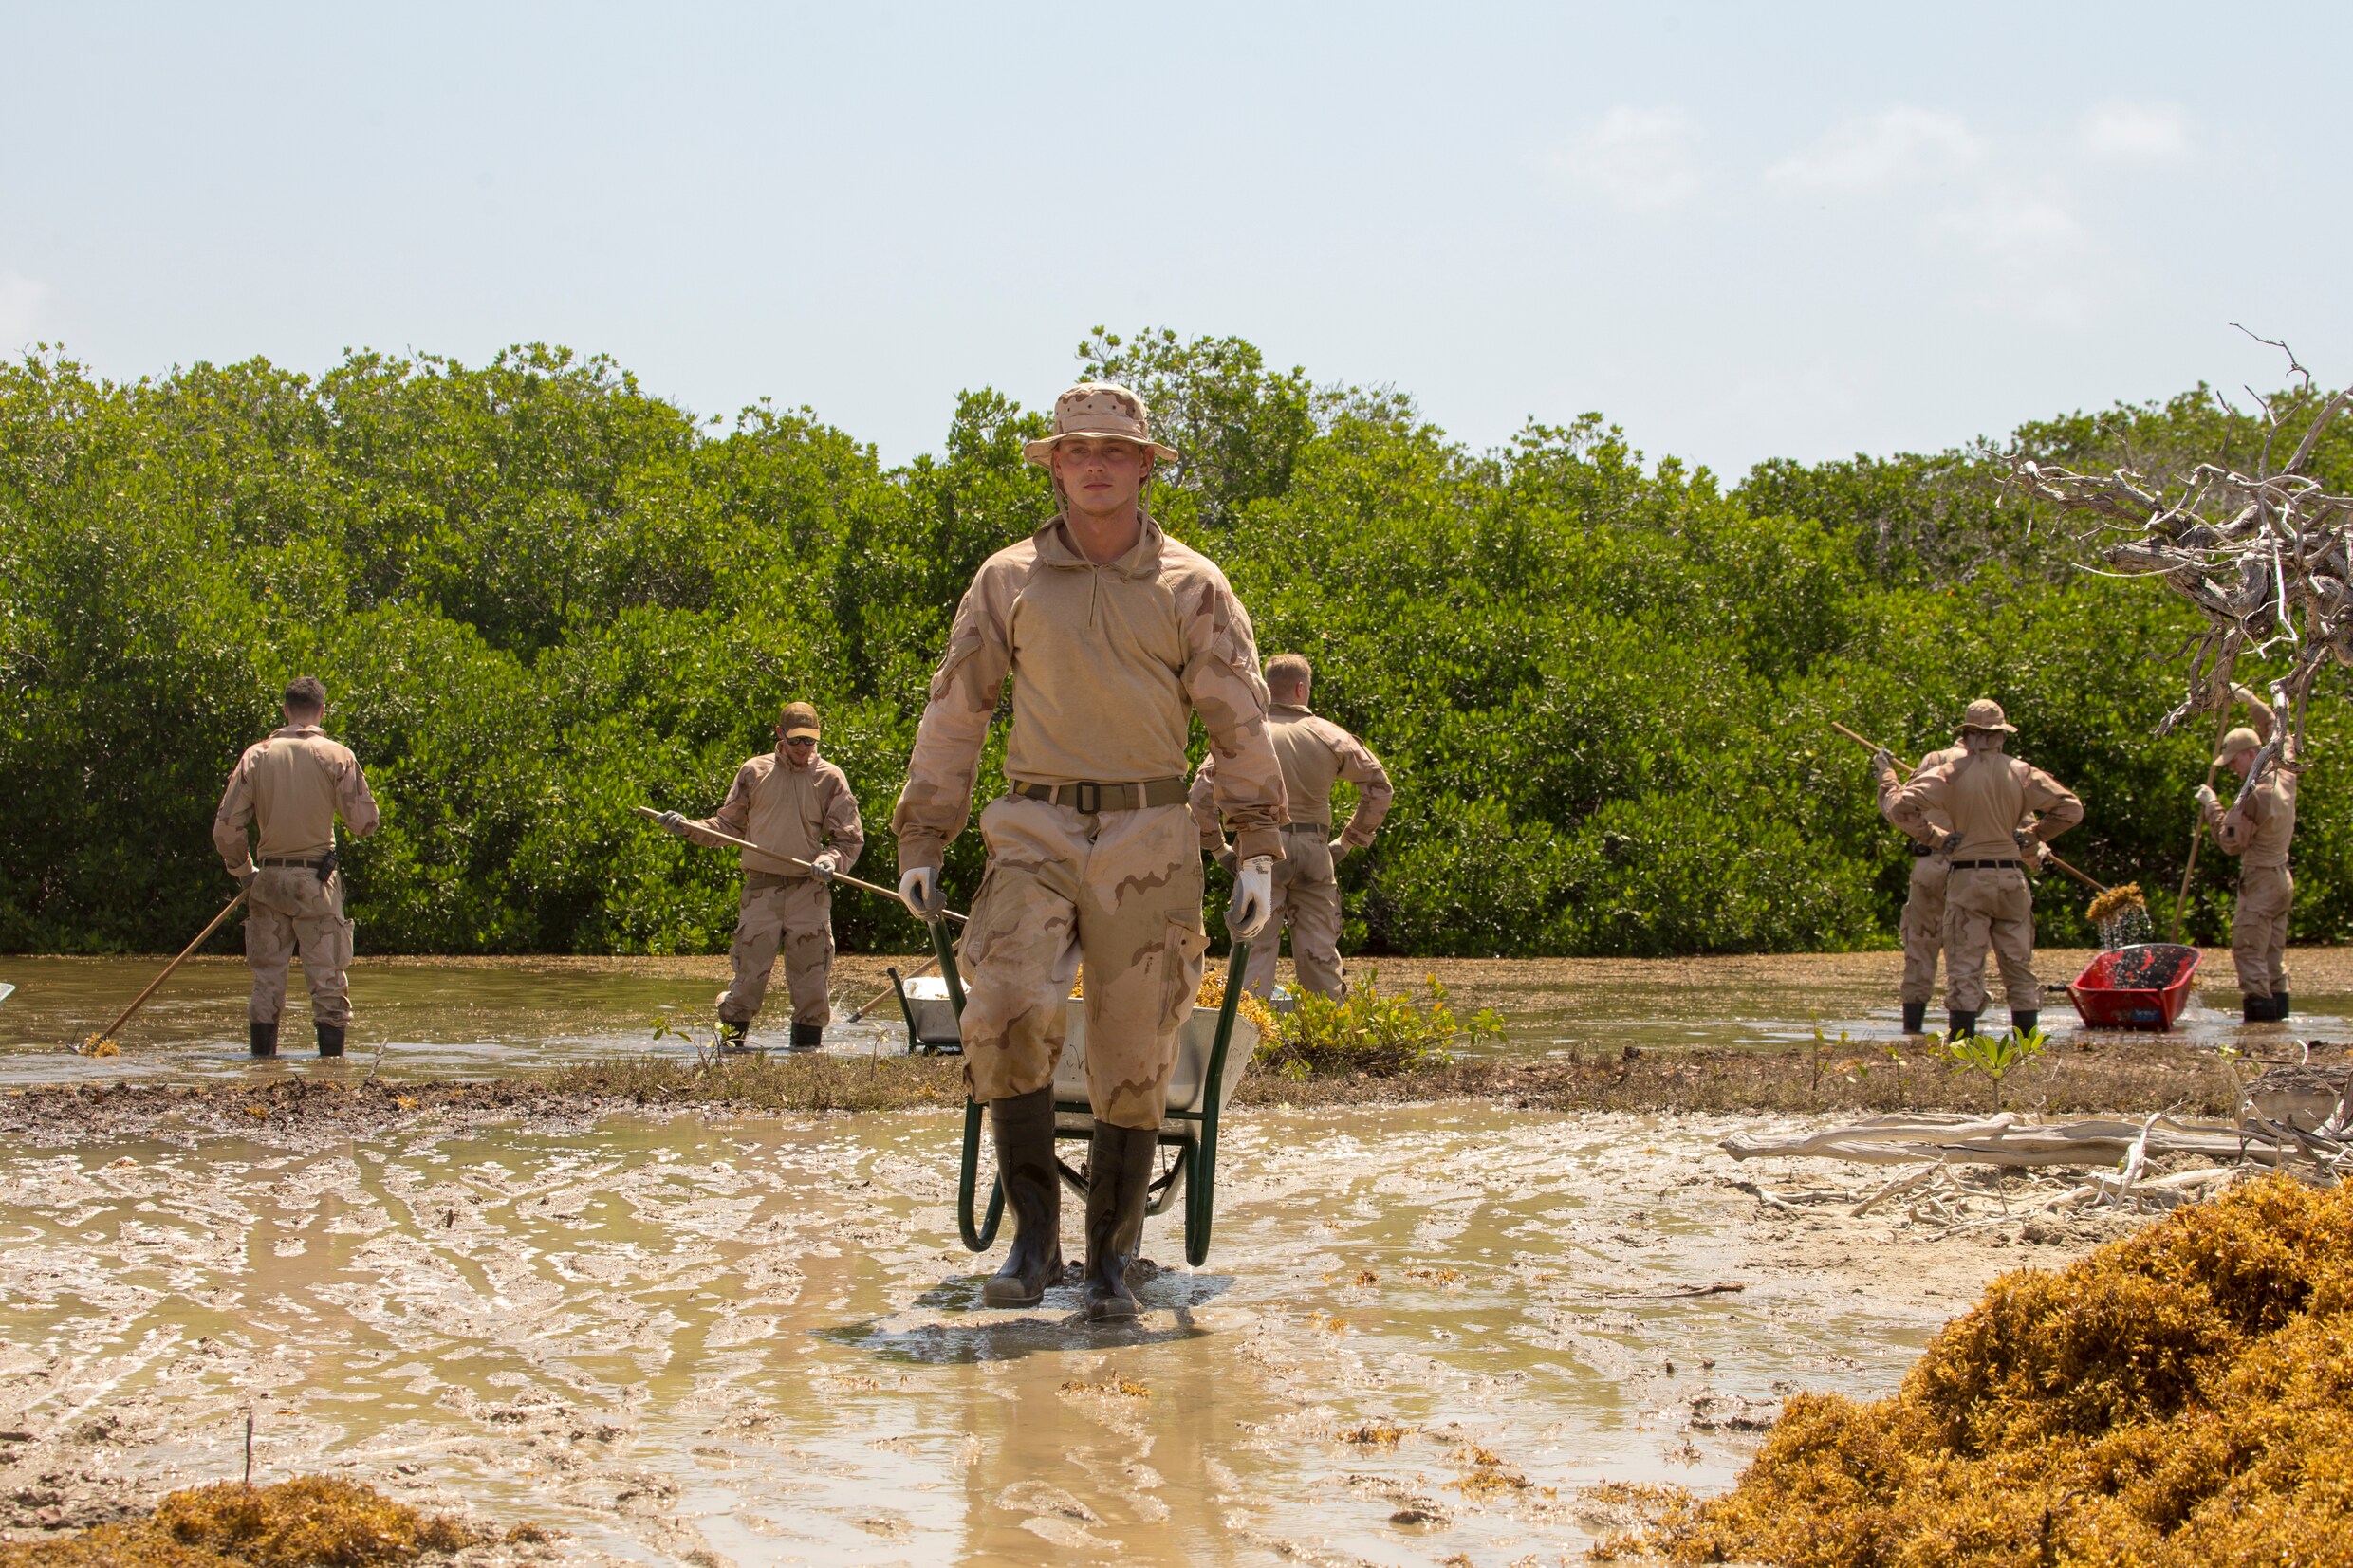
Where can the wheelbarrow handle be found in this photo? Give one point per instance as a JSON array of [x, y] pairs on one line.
[[1202, 1184], [978, 1235]]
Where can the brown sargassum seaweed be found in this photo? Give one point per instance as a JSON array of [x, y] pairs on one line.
[[2183, 1395], [310, 1521]]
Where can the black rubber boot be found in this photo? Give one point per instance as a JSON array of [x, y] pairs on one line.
[[2022, 1023], [1959, 1024], [331, 1039], [732, 1035], [1915, 1018], [264, 1036], [1119, 1172], [2279, 1006], [1023, 1126], [2256, 1009], [808, 1036]]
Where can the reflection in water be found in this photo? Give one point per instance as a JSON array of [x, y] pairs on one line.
[[753, 1339]]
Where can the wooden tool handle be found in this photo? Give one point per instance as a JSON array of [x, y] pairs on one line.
[[892, 894]]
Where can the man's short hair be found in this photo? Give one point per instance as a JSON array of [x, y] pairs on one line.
[[1285, 671], [304, 692]]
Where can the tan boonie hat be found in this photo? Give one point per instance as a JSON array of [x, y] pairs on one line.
[[1102, 409], [798, 718], [2237, 744], [1985, 714]]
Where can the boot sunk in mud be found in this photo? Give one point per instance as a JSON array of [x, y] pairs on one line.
[[1118, 1178], [1023, 1126]]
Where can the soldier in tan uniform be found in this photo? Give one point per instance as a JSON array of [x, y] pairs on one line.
[[1922, 928], [2257, 828], [797, 806], [1113, 636], [1990, 798], [1315, 753], [293, 785]]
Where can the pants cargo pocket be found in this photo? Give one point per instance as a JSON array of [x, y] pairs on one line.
[[1181, 972]]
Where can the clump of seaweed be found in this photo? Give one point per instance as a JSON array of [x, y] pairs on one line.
[[2182, 1396], [310, 1522]]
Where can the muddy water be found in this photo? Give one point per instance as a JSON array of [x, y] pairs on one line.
[[442, 1018], [1420, 1333]]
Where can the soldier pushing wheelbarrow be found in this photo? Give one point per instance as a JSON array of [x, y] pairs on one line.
[[1112, 635]]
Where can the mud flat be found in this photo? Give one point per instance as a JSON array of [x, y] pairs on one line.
[[1423, 1331]]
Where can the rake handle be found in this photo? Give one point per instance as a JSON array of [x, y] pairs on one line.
[[141, 1000], [892, 894]]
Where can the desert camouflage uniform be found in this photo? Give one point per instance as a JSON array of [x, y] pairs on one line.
[[804, 813], [1314, 753], [1922, 928], [1105, 660], [2258, 828], [1989, 796], [295, 783]]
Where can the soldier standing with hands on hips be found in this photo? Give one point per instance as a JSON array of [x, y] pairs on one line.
[[1112, 635]]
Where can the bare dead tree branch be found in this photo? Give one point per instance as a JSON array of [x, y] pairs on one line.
[[2265, 560]]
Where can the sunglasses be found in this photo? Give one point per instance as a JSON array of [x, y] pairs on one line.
[[801, 740]]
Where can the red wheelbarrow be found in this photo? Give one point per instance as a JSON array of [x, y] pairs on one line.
[[2141, 986]]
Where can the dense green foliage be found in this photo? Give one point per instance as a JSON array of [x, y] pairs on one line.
[[538, 595]]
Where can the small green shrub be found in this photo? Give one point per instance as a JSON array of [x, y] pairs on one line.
[[1383, 1034]]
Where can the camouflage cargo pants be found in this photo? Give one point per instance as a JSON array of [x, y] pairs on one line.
[[287, 909], [2259, 928], [1923, 928], [1306, 898], [792, 914], [1990, 907], [1121, 889]]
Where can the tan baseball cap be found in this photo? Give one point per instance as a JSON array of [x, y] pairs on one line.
[[798, 718], [1985, 714], [1102, 409], [2237, 744]]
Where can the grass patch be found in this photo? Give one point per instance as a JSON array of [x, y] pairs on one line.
[[2182, 1396], [1375, 1033], [310, 1521]]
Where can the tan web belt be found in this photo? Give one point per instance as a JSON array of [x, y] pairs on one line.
[[1104, 797], [311, 865], [1308, 827]]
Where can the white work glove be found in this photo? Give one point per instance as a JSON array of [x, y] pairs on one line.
[[2208, 800], [823, 867], [1253, 898], [1340, 848], [672, 822], [918, 889], [245, 877], [1882, 761]]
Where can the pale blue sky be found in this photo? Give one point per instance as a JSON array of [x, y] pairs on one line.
[[1738, 230]]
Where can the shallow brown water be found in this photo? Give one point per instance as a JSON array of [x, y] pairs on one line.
[[477, 1017], [740, 1342]]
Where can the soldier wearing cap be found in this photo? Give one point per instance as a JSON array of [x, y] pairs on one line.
[[799, 809], [1113, 636], [2258, 827], [1991, 799], [292, 787], [1921, 928], [1315, 753]]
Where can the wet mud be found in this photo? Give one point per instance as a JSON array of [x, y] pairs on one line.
[[1421, 1333]]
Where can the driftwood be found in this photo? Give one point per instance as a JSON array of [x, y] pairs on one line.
[[2008, 1140]]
